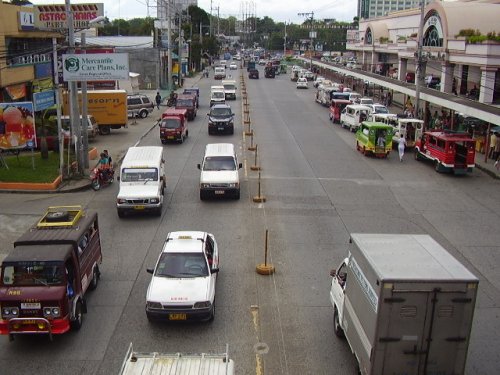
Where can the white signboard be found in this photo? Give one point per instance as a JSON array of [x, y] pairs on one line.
[[95, 67]]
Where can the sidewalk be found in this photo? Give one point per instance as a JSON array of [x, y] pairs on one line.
[[117, 144]]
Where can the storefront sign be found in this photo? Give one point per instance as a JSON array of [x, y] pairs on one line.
[[43, 100], [43, 70], [54, 16], [95, 67], [26, 21], [16, 92], [17, 127]]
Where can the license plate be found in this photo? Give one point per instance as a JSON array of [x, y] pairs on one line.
[[170, 137], [177, 317], [138, 207], [221, 128], [30, 305], [28, 322], [218, 192]]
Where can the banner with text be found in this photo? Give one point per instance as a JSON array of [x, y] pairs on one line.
[[96, 67], [53, 16]]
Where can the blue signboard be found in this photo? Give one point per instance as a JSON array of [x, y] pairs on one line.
[[43, 100], [43, 70]]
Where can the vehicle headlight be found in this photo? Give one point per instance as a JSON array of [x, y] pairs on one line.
[[154, 200], [205, 186], [153, 305], [53, 312], [202, 305], [121, 201], [10, 312], [234, 185]]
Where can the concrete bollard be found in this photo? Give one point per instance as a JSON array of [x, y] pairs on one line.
[[265, 268]]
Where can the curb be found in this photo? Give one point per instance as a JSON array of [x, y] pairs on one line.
[[488, 171]]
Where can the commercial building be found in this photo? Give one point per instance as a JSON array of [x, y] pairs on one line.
[[378, 8]]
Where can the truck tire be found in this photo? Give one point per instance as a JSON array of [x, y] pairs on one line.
[[104, 130], [336, 324], [95, 278], [77, 323]]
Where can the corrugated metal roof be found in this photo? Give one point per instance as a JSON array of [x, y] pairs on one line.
[[119, 41]]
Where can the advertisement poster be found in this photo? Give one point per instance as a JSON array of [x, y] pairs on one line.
[[95, 67], [17, 125]]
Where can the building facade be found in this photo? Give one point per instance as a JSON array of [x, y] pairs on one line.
[[462, 65], [378, 8]]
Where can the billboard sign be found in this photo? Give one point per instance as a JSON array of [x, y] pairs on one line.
[[17, 125], [95, 67], [50, 16]]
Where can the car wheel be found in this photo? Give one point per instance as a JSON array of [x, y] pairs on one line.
[[104, 130], [163, 141], [76, 324], [57, 216], [187, 133], [95, 278], [121, 213], [438, 167], [212, 313], [357, 145], [336, 324], [182, 139], [202, 195], [237, 195], [143, 114]]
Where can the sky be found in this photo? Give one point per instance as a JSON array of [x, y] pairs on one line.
[[278, 10]]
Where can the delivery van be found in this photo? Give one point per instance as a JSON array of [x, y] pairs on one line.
[[217, 95], [109, 108], [219, 172], [404, 304], [142, 181], [229, 88]]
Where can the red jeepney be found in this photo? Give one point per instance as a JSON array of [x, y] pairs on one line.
[[187, 102], [173, 125], [336, 106], [44, 279], [450, 151]]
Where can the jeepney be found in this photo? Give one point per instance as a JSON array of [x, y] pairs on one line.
[[45, 277], [409, 128], [374, 138], [336, 107]]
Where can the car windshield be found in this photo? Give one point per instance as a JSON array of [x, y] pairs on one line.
[[228, 87], [33, 273], [170, 123], [219, 163], [218, 94], [184, 103], [220, 112], [139, 174], [381, 109], [182, 265]]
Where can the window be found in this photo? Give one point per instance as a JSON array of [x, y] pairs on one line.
[[219, 163], [182, 265], [139, 174], [170, 123], [33, 273]]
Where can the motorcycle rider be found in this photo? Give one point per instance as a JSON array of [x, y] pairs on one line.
[[172, 100], [103, 166]]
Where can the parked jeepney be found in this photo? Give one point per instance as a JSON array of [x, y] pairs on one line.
[[450, 151], [374, 138], [353, 115], [336, 107], [409, 128]]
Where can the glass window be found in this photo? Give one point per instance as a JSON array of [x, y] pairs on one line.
[[170, 123], [219, 163], [220, 111], [182, 265], [139, 174], [33, 273]]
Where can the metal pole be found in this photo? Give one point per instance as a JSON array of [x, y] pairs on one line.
[[73, 92], [84, 122], [169, 49], [284, 43], [418, 75], [267, 235], [58, 106], [180, 50]]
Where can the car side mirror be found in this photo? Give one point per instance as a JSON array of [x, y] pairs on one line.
[[150, 270], [333, 273], [214, 270], [199, 166], [240, 166]]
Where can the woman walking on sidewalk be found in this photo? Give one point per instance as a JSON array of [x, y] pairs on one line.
[[401, 147]]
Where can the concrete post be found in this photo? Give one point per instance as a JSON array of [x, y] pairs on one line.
[[402, 69], [487, 85], [447, 77]]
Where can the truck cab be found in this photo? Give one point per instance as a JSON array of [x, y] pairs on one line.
[[217, 95], [173, 125], [187, 102], [220, 72], [229, 88], [45, 278]]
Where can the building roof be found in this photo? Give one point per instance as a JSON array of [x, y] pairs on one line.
[[119, 41]]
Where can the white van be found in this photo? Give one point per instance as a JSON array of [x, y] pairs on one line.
[[142, 181], [353, 115], [219, 72], [219, 171], [217, 95], [229, 88]]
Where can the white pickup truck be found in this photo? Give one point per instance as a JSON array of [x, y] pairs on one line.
[[151, 363]]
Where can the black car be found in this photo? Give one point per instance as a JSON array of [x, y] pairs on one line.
[[253, 73], [269, 72], [220, 119]]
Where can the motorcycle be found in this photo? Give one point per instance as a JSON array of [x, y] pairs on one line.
[[100, 178], [171, 102]]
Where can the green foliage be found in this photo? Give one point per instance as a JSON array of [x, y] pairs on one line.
[[383, 40], [475, 36], [21, 168]]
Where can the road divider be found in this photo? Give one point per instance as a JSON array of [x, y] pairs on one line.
[[255, 166]]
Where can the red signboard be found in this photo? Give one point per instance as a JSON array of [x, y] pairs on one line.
[[54, 16]]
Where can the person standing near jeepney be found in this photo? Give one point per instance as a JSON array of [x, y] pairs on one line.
[[401, 147], [158, 99], [493, 145]]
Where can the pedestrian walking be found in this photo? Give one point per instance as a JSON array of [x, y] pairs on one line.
[[401, 147], [493, 145], [158, 100]]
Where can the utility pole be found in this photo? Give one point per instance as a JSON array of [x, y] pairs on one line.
[[84, 122], [312, 35], [169, 47], [284, 43], [179, 81], [420, 60], [218, 21], [210, 17]]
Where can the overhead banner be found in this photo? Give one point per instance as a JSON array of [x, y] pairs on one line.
[[50, 16], [17, 125], [95, 67]]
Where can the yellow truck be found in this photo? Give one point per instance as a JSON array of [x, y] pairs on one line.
[[109, 108]]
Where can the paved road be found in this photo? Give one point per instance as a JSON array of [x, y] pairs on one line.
[[318, 189]]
